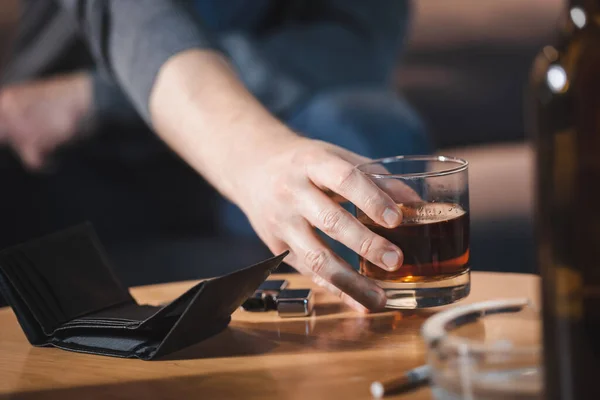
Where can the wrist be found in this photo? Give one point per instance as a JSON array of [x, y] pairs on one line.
[[250, 156], [205, 114]]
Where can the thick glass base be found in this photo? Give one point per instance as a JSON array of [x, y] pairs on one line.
[[427, 294]]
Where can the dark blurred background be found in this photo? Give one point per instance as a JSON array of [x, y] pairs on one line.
[[465, 71]]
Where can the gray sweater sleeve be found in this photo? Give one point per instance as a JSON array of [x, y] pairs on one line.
[[131, 39]]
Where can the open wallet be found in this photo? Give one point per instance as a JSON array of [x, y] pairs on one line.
[[65, 294]]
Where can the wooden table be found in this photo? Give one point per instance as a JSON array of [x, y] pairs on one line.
[[336, 353]]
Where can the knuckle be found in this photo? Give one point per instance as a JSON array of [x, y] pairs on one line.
[[346, 177], [278, 181], [319, 281], [317, 260], [332, 221], [280, 192], [306, 157], [273, 220], [279, 248], [372, 201], [366, 246], [282, 187], [303, 154]]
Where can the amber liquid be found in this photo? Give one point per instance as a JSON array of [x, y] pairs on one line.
[[434, 238]]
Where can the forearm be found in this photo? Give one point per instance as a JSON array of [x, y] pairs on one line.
[[211, 120]]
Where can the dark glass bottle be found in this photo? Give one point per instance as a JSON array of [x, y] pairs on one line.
[[566, 123]]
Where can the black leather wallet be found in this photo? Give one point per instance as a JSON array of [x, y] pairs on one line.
[[64, 294]]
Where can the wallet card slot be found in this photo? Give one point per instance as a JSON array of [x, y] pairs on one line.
[[95, 322], [76, 274], [27, 320], [99, 321], [21, 281], [127, 316], [41, 286], [104, 344], [128, 312], [110, 341]]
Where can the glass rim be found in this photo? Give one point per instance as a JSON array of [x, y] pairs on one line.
[[462, 165]]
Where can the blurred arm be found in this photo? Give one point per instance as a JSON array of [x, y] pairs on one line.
[[165, 62], [327, 43]]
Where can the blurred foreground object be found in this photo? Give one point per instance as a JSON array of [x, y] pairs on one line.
[[566, 103]]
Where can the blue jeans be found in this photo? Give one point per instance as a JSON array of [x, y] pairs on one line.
[[372, 122]]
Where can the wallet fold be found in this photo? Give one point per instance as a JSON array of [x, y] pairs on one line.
[[64, 293]]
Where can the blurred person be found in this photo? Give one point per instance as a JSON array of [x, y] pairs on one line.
[[270, 102]]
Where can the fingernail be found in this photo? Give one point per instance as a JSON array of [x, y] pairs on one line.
[[391, 217], [391, 259]]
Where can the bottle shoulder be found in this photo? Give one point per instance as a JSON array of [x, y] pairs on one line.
[[558, 68]]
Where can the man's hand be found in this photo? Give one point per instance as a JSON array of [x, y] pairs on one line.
[[283, 182], [284, 198], [39, 116]]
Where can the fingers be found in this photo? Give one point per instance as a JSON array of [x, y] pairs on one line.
[[311, 254], [342, 178], [342, 226], [355, 305], [397, 189], [278, 246]]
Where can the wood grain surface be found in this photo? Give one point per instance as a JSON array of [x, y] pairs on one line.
[[336, 353]]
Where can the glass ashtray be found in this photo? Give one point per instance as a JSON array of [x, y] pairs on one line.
[[488, 350]]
